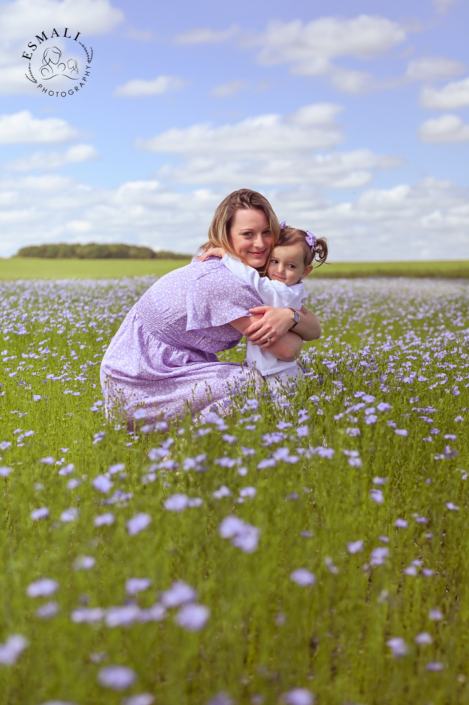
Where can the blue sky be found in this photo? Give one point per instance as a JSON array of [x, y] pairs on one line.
[[351, 117]]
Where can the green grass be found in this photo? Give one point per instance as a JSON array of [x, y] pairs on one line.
[[447, 269], [37, 268], [404, 343]]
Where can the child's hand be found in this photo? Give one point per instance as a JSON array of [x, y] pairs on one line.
[[212, 252]]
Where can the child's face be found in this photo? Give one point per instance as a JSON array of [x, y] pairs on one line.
[[287, 265]]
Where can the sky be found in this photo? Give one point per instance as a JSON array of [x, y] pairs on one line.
[[350, 116]]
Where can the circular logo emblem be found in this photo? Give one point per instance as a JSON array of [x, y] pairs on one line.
[[59, 64]]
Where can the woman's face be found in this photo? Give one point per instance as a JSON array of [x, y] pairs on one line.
[[251, 237]]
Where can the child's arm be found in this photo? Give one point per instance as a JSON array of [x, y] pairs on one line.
[[212, 252]]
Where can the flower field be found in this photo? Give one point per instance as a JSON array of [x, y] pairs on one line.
[[308, 547]]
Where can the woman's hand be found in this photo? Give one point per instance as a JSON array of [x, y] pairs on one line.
[[212, 252], [266, 331], [275, 322]]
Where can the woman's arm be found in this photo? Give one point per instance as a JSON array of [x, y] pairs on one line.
[[275, 322], [286, 348]]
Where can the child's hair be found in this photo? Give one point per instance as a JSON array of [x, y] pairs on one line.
[[292, 236], [244, 199]]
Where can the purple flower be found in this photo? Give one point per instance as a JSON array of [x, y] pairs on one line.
[[102, 484], [85, 615], [104, 519], [47, 610], [12, 649], [377, 496], [423, 639], [69, 515], [41, 513], [247, 492], [136, 585], [42, 588], [122, 616], [435, 615], [298, 696], [193, 617], [222, 492], [4, 472], [139, 699], [355, 546], [401, 432], [242, 535], [118, 467], [176, 502], [303, 577], [84, 563], [401, 524], [397, 646], [116, 677], [178, 594], [378, 556], [266, 463], [138, 523], [434, 666]]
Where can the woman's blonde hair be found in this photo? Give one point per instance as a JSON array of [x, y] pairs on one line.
[[244, 199]]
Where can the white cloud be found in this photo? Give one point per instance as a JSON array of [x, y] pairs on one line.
[[433, 68], [353, 82], [309, 48], [444, 6], [336, 170], [428, 219], [311, 127], [45, 161], [23, 19], [23, 128], [363, 37], [228, 89], [205, 36], [158, 86], [453, 95], [447, 128]]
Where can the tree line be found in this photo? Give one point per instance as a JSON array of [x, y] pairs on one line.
[[97, 251]]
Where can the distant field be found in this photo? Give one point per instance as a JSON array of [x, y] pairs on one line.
[[32, 268], [452, 270], [38, 268]]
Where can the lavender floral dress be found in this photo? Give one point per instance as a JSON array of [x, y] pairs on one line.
[[163, 355]]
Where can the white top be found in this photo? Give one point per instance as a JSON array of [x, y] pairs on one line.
[[272, 293]]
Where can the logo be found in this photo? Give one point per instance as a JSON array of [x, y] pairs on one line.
[[59, 65]]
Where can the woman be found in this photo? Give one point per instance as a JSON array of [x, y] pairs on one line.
[[162, 359]]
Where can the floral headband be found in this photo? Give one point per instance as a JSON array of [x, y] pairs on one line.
[[310, 238]]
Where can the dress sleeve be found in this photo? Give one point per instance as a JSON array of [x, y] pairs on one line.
[[218, 297]]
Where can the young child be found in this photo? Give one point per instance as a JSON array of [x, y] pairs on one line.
[[291, 260]]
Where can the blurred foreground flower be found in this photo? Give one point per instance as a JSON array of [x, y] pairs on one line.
[[116, 677], [298, 696], [42, 588], [397, 646], [303, 577], [193, 617], [12, 648], [242, 535], [138, 523]]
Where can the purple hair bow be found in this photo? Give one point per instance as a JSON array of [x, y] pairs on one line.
[[283, 225], [311, 240]]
